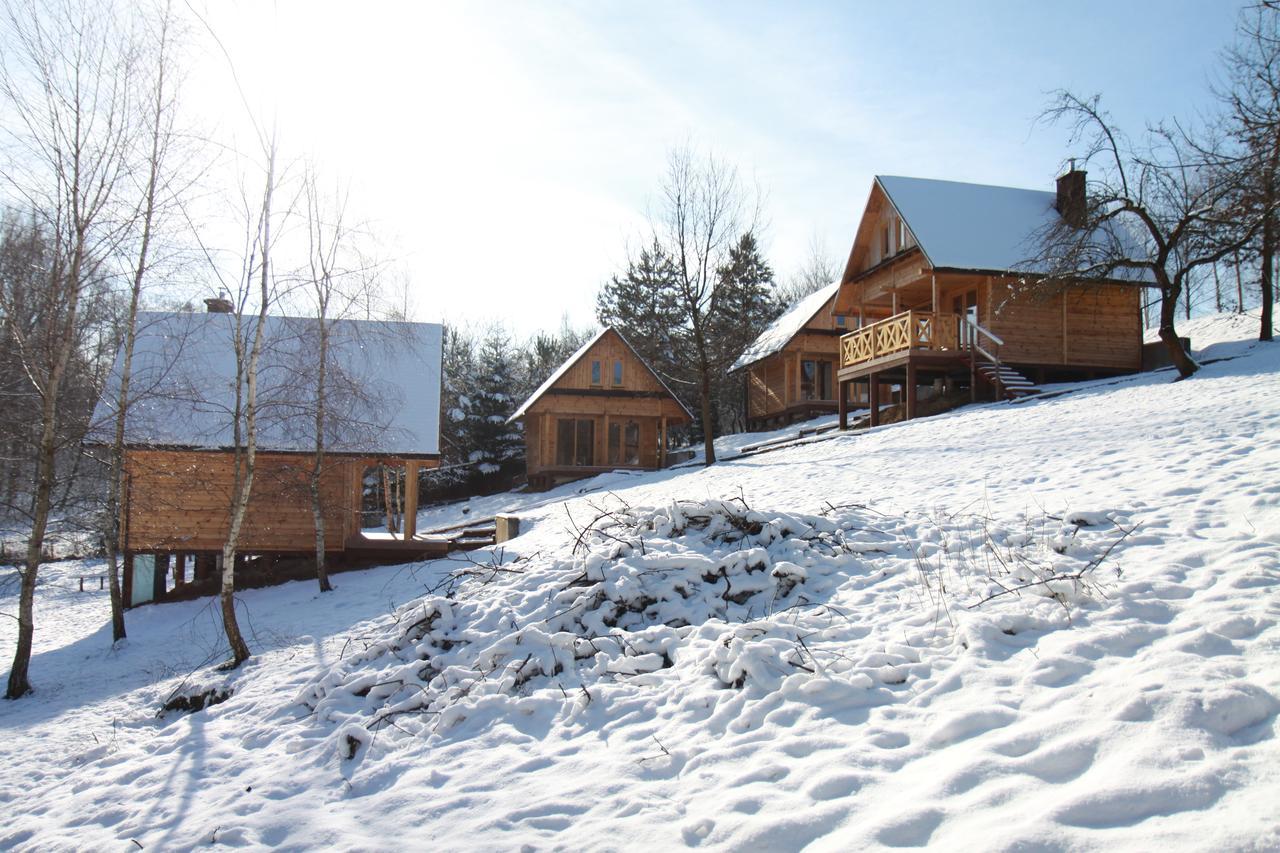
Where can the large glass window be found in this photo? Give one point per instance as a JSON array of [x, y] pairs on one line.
[[815, 380], [632, 438], [575, 441]]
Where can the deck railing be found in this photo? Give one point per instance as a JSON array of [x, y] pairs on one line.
[[909, 330]]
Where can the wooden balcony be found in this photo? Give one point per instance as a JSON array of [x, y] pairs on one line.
[[911, 330]]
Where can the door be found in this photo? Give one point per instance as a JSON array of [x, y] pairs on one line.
[[966, 305]]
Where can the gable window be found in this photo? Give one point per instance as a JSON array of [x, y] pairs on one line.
[[617, 373], [886, 249], [902, 233], [575, 441], [595, 373]]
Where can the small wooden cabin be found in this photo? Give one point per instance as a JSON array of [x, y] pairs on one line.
[[940, 288], [789, 372], [383, 409], [603, 409]]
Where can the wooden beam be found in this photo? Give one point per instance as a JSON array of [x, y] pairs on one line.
[[843, 396], [662, 437], [910, 390], [873, 395], [410, 499]]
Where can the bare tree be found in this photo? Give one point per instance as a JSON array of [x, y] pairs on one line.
[[704, 209], [66, 79], [1162, 211], [157, 135], [817, 271], [1252, 99], [339, 283]]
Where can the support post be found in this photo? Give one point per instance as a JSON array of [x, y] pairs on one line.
[[842, 396], [933, 284], [873, 394], [973, 376], [608, 460], [910, 390], [126, 591], [179, 570], [411, 499], [159, 577], [662, 440]]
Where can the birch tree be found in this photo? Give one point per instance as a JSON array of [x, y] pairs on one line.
[[156, 135], [65, 81]]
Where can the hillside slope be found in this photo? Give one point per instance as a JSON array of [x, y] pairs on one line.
[[1044, 625]]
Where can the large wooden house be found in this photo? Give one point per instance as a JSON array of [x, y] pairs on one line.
[[941, 294], [603, 409], [789, 371], [382, 411]]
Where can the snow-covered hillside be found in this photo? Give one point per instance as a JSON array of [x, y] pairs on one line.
[[1049, 624]]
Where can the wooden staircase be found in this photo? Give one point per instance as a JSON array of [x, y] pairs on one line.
[[1011, 384]]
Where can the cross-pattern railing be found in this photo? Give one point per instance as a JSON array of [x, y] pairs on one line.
[[909, 330]]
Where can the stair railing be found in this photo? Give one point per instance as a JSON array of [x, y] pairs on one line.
[[971, 333]]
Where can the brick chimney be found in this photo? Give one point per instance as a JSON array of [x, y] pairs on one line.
[[1072, 204], [218, 305]]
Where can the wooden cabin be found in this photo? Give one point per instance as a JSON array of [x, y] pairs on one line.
[[789, 372], [943, 302], [603, 409], [383, 413]]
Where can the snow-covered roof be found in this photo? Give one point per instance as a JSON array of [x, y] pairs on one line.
[[573, 359], [786, 327], [975, 226], [382, 385]]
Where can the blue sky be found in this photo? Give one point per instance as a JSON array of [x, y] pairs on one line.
[[508, 152]]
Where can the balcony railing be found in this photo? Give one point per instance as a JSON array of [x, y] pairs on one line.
[[910, 330]]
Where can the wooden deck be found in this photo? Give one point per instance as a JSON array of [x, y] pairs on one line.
[[912, 335]]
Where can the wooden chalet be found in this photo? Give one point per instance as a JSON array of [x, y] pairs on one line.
[[603, 409], [941, 294], [383, 402], [789, 372]]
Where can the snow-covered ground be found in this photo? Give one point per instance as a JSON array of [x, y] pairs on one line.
[[1042, 625]]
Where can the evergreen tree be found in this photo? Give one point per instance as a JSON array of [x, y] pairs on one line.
[[641, 303], [491, 440], [746, 303], [459, 370]]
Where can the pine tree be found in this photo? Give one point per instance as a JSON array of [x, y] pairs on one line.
[[459, 378], [492, 441], [641, 303], [745, 304]]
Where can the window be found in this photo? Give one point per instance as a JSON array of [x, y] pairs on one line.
[[632, 436], [886, 249], [575, 442], [840, 321], [595, 373], [902, 233], [815, 380], [617, 373], [624, 444]]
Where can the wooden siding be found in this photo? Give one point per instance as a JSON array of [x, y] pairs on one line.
[[180, 501], [609, 349], [1104, 326], [1084, 326]]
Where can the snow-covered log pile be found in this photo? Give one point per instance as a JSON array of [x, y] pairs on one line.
[[711, 596]]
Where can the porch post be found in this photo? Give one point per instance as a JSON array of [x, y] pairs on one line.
[[662, 442], [843, 397], [910, 390], [873, 395], [126, 591], [933, 283], [607, 459], [410, 499]]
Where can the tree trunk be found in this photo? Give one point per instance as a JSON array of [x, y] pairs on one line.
[[317, 465], [1267, 283], [1168, 312]]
